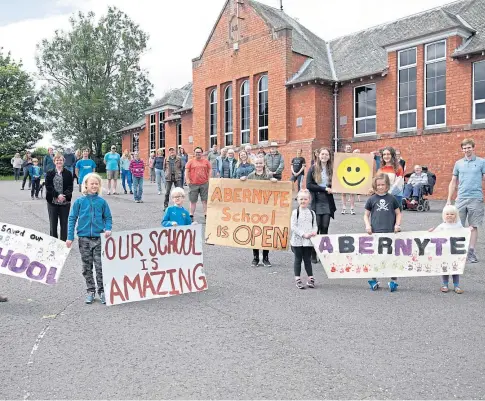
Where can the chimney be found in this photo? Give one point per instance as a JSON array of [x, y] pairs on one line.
[[281, 5]]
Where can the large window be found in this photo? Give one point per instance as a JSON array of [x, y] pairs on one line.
[[479, 91], [162, 130], [179, 134], [245, 114], [213, 118], [435, 86], [407, 90], [365, 109], [153, 130], [135, 142], [263, 109], [228, 116]]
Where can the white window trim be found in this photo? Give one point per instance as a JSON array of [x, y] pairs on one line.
[[266, 126], [226, 100], [210, 115], [160, 124], [243, 131], [479, 101], [426, 63], [154, 124], [364, 118], [399, 69]]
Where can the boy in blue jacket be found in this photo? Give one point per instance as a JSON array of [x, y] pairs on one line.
[[93, 216], [177, 215], [35, 172]]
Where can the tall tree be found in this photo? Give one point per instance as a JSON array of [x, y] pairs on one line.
[[95, 85], [20, 127]]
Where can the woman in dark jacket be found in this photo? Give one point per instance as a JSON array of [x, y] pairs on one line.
[[319, 183], [59, 186]]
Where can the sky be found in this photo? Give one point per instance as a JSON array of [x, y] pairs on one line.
[[178, 30]]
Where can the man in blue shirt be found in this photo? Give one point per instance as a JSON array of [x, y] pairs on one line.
[[48, 161], [84, 166], [468, 174], [112, 161]]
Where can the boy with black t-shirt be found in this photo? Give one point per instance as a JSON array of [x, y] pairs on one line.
[[298, 165], [382, 215]]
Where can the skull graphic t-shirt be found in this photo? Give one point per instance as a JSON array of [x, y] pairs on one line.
[[382, 212]]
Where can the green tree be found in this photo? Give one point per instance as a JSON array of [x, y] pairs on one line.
[[20, 127], [39, 151], [95, 85]]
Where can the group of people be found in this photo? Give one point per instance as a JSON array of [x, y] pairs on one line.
[[316, 204]]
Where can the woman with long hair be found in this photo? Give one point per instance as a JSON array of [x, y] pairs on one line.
[[244, 167], [390, 165], [25, 167], [185, 158], [159, 172], [125, 171], [319, 183]]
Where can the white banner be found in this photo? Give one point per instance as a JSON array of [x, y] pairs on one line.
[[406, 254], [152, 263], [31, 255]]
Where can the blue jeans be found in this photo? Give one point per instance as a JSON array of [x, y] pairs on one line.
[[137, 187], [416, 190], [182, 180], [160, 176], [126, 176], [399, 200]]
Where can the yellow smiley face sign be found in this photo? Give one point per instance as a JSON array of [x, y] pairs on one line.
[[352, 173]]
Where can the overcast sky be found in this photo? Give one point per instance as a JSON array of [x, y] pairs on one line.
[[178, 30]]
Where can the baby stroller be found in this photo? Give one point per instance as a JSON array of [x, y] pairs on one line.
[[422, 203]]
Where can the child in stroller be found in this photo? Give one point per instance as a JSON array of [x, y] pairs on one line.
[[418, 186]]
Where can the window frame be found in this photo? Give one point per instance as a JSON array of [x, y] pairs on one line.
[[135, 139], [356, 120], [178, 134], [475, 102], [212, 127], [426, 63], [242, 97], [399, 69], [161, 131], [153, 132], [265, 127], [228, 119]]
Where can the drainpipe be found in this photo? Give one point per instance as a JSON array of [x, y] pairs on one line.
[[335, 115]]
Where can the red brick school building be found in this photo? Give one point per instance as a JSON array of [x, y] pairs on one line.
[[417, 84]]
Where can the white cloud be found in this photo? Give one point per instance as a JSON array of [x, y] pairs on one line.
[[178, 30]]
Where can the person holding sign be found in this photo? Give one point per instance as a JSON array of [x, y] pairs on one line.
[[319, 183], [177, 215], [303, 227], [382, 215], [450, 221], [93, 217], [392, 168], [260, 173]]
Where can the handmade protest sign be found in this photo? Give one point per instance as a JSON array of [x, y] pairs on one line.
[[248, 214], [31, 255], [152, 263], [407, 254], [352, 173]]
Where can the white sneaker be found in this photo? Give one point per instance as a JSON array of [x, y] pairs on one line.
[[344, 211], [158, 192], [352, 211]]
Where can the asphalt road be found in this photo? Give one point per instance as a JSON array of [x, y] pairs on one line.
[[252, 335]]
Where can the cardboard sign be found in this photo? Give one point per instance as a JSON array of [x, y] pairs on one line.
[[352, 173], [249, 214], [31, 255], [408, 254], [152, 263]]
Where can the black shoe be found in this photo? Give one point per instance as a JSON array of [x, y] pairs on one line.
[[131, 192], [192, 218], [125, 192], [266, 263], [255, 262], [22, 189]]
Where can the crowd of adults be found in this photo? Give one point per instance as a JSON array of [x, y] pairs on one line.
[[176, 170]]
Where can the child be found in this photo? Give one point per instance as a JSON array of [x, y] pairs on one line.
[[303, 227], [177, 215], [450, 220], [93, 216], [35, 173], [382, 215], [137, 168], [260, 173]]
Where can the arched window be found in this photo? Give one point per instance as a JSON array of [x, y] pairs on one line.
[[263, 108], [245, 113], [228, 116], [213, 117]]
